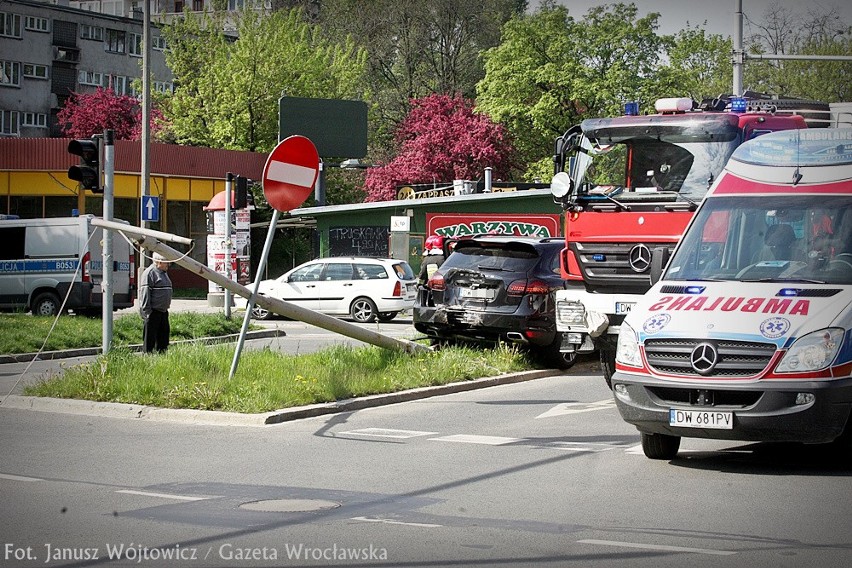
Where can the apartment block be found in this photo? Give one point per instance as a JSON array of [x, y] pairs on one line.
[[48, 51]]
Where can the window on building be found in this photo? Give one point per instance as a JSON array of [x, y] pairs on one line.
[[10, 123], [90, 78], [179, 6], [34, 119], [115, 41], [10, 24], [197, 5], [117, 83], [36, 24], [158, 43], [59, 206], [10, 73], [35, 71], [134, 45], [162, 87], [235, 5], [94, 33]]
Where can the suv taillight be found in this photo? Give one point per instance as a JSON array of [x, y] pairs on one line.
[[437, 282], [522, 287]]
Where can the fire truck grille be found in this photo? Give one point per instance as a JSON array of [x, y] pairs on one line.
[[735, 358], [615, 264]]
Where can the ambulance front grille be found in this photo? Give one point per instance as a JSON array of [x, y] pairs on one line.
[[736, 358]]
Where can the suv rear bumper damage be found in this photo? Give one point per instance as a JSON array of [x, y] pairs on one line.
[[444, 322]]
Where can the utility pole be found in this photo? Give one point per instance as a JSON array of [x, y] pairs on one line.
[[106, 283]]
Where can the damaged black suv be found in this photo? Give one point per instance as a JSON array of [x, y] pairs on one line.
[[496, 289]]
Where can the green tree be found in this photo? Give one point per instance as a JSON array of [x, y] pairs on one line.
[[417, 48], [699, 65], [551, 71], [227, 89], [781, 31]]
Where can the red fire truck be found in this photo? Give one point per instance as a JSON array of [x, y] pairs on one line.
[[629, 185]]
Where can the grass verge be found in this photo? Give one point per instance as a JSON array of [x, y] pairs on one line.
[[196, 376], [23, 333]]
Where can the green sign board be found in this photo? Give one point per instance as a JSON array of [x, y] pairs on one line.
[[337, 128]]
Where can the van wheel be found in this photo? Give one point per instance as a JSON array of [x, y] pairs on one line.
[[363, 310], [660, 446], [46, 304]]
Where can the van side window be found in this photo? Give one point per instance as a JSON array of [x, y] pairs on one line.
[[13, 243]]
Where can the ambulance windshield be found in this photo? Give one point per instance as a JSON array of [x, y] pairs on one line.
[[784, 238]]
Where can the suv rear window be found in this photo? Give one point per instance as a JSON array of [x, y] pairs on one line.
[[511, 258]]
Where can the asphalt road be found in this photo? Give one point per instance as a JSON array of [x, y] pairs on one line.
[[539, 473]]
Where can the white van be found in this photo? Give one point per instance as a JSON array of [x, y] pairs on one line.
[[41, 259], [748, 335]]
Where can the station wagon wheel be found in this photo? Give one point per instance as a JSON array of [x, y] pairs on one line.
[[363, 310], [660, 446], [260, 313], [46, 304]]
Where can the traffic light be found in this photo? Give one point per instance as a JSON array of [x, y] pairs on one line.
[[88, 173], [241, 195]]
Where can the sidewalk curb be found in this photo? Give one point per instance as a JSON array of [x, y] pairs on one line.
[[86, 351], [218, 418]]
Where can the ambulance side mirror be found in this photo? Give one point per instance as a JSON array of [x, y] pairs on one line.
[[659, 259]]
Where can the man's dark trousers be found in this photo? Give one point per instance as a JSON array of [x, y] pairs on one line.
[[155, 334]]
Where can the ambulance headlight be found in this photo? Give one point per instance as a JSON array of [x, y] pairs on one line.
[[627, 351], [812, 352]]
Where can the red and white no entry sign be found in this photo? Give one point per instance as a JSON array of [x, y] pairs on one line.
[[290, 173]]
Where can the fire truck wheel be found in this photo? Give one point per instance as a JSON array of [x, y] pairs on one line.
[[553, 357], [660, 446], [608, 365]]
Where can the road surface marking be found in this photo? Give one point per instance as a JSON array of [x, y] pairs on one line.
[[578, 447], [658, 547], [471, 439], [577, 408], [11, 477], [388, 433], [162, 495], [392, 522]]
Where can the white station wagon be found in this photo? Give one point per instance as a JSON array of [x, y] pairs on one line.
[[363, 289]]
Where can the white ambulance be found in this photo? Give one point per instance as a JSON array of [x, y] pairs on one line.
[[43, 261], [748, 333]]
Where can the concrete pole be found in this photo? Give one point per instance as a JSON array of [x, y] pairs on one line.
[[151, 240], [229, 190], [106, 282], [738, 55]]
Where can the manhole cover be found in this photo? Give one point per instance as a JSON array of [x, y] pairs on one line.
[[289, 505]]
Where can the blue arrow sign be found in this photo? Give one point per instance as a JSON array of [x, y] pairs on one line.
[[150, 208]]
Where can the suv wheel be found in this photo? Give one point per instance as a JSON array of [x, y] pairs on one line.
[[660, 446], [363, 310]]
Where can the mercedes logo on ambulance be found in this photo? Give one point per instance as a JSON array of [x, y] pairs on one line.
[[704, 358], [639, 258]]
